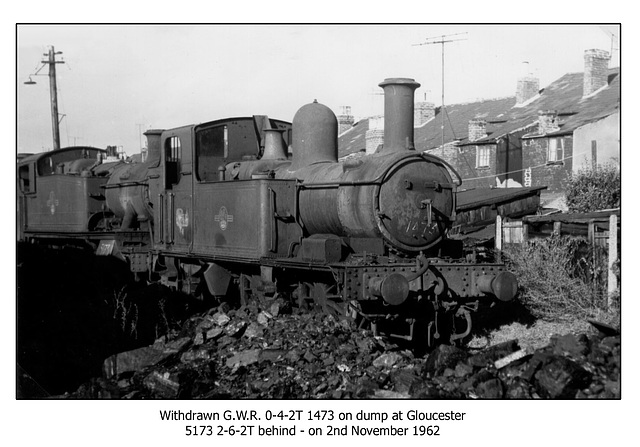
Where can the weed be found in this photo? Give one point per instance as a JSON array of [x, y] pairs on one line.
[[126, 312], [163, 326], [560, 278], [594, 189]]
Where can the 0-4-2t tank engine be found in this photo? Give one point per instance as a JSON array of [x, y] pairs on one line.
[[365, 238]]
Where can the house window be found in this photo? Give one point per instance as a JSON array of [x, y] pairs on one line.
[[482, 156], [556, 150]]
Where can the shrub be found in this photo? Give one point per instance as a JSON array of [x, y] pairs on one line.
[[594, 189], [559, 277]]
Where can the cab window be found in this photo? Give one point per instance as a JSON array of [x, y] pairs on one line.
[[26, 175], [213, 150], [173, 154]]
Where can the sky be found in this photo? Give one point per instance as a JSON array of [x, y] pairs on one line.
[[119, 80]]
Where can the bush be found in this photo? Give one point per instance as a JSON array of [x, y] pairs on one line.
[[559, 279], [594, 189]]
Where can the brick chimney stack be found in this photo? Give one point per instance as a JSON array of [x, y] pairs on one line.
[[477, 129], [345, 119], [374, 137], [547, 121], [596, 68], [423, 112], [528, 85]]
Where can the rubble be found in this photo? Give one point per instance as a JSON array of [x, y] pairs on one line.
[[137, 359], [269, 351]]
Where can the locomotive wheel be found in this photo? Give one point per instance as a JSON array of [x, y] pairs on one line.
[[326, 303]]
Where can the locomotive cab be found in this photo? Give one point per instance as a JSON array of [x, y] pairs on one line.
[[221, 143], [58, 190]]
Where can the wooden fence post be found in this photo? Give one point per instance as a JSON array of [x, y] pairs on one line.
[[557, 228], [498, 241], [612, 280]]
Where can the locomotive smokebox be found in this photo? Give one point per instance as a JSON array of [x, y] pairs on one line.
[[315, 136], [398, 114]]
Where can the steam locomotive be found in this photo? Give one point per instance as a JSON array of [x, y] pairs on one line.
[[221, 209]]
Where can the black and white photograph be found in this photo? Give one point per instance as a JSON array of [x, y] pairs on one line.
[[320, 233]]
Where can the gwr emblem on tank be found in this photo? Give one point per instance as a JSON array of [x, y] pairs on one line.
[[52, 202], [182, 220], [224, 218]]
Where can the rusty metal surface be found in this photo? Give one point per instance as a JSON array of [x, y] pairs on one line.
[[415, 208], [372, 199]]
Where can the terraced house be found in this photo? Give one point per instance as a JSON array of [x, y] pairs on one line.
[[535, 138]]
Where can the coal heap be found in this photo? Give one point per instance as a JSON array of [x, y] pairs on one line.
[[269, 351]]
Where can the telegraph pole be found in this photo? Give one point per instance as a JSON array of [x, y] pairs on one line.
[[441, 40], [53, 88], [53, 91]]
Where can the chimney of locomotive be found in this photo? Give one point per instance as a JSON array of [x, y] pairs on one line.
[[398, 113], [153, 146]]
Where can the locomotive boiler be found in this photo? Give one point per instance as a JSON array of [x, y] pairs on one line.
[[221, 209]]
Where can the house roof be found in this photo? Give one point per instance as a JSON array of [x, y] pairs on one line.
[[456, 121], [564, 96], [503, 116], [353, 140]]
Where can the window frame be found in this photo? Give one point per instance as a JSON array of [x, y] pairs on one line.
[[486, 156], [30, 178], [555, 146], [222, 155]]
